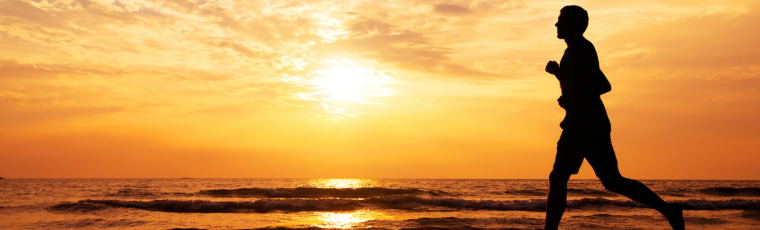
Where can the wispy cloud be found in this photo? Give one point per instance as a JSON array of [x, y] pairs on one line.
[[211, 73]]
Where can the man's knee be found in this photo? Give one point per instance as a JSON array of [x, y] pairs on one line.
[[613, 182], [558, 177]]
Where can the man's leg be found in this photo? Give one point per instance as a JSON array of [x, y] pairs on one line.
[[567, 162], [605, 166], [557, 199], [642, 194]]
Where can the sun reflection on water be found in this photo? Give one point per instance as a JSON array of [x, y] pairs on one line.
[[340, 183], [345, 220]]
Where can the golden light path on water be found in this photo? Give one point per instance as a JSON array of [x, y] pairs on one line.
[[344, 81], [347, 220], [343, 220], [341, 183]]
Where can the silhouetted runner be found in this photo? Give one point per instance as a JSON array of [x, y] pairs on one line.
[[586, 128]]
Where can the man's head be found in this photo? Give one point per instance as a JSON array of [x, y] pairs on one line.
[[572, 22]]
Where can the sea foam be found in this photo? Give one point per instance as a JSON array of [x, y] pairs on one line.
[[306, 192], [399, 202]]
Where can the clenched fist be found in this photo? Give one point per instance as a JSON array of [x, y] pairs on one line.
[[552, 67]]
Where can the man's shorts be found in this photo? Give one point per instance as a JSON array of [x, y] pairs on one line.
[[573, 146]]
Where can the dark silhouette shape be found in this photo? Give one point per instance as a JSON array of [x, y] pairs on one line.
[[586, 127]]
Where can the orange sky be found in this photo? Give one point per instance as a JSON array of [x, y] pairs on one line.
[[380, 89]]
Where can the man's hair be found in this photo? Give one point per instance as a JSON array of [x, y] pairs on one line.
[[576, 16]]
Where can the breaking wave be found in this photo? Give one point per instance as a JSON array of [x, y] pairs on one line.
[[399, 202], [131, 192], [753, 214], [528, 192], [713, 191], [79, 206], [570, 192], [205, 206], [307, 192], [89, 223], [304, 192], [728, 191]]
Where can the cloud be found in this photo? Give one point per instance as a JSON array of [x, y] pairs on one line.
[[193, 68], [722, 40], [509, 67], [450, 9], [23, 116], [403, 48], [365, 27]]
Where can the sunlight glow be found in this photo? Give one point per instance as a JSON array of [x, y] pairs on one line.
[[340, 183], [329, 29], [344, 220], [346, 82]]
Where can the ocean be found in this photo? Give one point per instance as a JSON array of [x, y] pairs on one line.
[[359, 204]]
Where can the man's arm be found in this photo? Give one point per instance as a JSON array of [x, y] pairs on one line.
[[600, 84], [553, 68], [587, 63], [583, 77]]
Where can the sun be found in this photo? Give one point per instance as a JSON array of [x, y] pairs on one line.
[[345, 81], [348, 81]]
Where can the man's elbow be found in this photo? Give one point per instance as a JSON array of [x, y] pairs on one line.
[[605, 89]]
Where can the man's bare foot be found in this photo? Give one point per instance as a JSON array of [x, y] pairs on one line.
[[674, 214]]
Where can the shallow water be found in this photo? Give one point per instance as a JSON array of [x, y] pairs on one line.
[[359, 203]]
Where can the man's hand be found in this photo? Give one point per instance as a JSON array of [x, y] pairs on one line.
[[552, 67]]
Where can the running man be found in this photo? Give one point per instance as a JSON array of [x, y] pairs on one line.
[[586, 128]]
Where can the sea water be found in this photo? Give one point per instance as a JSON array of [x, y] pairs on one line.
[[360, 204]]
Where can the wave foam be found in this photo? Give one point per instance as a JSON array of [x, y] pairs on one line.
[[132, 192], [400, 202], [540, 204], [714, 191], [88, 223], [728, 191], [79, 206], [570, 192], [304, 192], [205, 206]]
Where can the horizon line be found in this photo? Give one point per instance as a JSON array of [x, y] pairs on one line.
[[309, 178]]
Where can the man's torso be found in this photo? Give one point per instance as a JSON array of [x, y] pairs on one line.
[[584, 112]]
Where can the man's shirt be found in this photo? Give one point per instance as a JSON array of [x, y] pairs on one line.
[[585, 111]]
